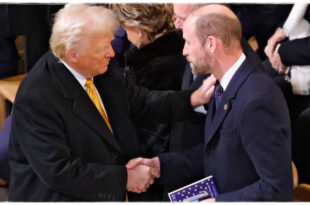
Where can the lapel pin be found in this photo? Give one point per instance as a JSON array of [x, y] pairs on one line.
[[225, 107]]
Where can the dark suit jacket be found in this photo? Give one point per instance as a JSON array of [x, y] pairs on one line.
[[187, 128], [60, 146], [295, 52], [247, 142]]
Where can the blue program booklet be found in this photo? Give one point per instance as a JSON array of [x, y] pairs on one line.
[[197, 191]]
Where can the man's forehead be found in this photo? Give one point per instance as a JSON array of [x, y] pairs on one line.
[[187, 29], [214, 9], [182, 9], [101, 35], [189, 22]]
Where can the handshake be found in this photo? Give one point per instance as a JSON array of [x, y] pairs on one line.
[[141, 173]]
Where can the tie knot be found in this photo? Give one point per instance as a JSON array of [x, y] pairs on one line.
[[218, 90], [89, 82]]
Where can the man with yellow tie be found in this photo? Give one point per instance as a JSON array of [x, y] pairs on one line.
[[62, 145], [71, 132]]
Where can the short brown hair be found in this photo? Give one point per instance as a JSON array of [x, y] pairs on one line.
[[154, 19], [222, 26]]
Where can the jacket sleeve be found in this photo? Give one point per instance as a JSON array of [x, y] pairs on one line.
[[154, 105], [181, 168], [295, 52], [40, 133]]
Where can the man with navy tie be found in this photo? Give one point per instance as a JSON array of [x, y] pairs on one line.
[[247, 130]]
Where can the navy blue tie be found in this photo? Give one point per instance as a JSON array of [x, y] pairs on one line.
[[218, 93]]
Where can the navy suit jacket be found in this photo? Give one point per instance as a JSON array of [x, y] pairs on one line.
[[295, 52], [247, 142]]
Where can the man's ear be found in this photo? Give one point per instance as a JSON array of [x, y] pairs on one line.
[[211, 44], [71, 55]]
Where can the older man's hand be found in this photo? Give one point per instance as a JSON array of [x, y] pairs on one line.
[[139, 178], [278, 36], [203, 94], [277, 64], [153, 163]]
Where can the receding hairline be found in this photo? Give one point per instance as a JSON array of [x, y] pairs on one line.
[[213, 9], [216, 20], [193, 6]]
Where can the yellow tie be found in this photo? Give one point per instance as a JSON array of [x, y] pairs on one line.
[[94, 97]]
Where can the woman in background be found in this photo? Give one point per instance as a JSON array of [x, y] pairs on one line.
[[157, 61]]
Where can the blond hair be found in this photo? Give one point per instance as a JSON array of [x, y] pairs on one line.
[[154, 19], [75, 22]]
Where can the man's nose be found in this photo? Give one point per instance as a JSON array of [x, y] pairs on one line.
[[111, 52], [178, 23], [185, 51]]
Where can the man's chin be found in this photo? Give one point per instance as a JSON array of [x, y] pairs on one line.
[[103, 70], [194, 72], [192, 67]]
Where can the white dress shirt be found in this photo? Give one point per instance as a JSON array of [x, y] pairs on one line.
[[225, 79], [231, 71]]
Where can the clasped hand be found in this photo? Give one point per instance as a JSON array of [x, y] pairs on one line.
[[141, 173], [273, 54]]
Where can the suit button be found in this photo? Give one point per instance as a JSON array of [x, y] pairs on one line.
[[114, 156]]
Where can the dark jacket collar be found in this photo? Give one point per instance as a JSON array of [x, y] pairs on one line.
[[81, 104], [215, 119]]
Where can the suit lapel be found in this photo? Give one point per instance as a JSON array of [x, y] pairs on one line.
[[215, 119], [112, 92], [209, 118], [86, 111], [82, 105]]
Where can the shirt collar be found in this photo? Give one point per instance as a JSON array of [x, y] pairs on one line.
[[231, 71], [80, 78]]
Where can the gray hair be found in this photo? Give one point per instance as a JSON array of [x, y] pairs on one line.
[[74, 22]]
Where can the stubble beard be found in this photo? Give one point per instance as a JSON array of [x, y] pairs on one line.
[[199, 68]]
